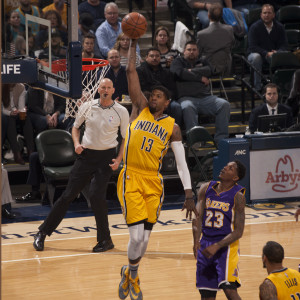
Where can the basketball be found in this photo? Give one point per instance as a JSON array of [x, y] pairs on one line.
[[134, 25]]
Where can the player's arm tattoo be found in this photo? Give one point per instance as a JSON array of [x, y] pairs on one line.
[[176, 134], [239, 221], [267, 291]]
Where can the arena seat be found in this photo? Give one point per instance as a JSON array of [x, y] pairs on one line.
[[57, 156]]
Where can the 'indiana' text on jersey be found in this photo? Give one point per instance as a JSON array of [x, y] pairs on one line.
[[219, 211], [147, 141]]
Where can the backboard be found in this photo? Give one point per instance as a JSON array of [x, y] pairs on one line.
[[47, 36]]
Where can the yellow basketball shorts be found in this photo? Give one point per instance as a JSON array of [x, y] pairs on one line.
[[141, 196]]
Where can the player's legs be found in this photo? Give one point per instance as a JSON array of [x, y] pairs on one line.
[[227, 269], [231, 291], [208, 295]]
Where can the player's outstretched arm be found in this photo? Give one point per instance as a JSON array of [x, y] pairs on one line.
[[239, 224], [197, 221], [267, 291], [137, 97], [183, 171]]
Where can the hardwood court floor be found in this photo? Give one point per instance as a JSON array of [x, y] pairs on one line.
[[67, 269]]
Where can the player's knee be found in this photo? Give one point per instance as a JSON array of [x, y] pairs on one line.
[[208, 293]]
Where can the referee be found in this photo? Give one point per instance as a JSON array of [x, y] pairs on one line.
[[95, 163]]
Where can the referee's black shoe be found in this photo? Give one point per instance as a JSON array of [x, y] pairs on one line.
[[104, 246], [39, 240]]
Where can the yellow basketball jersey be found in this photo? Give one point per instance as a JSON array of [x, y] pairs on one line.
[[147, 141], [287, 283]]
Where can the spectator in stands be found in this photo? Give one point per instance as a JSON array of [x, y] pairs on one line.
[[46, 114], [6, 198], [14, 25], [34, 179], [122, 45], [245, 5], [26, 8], [61, 7], [203, 6], [56, 25], [96, 9], [117, 74], [109, 30], [152, 74], [163, 43], [20, 45], [58, 50], [194, 94], [88, 46], [216, 41], [85, 28], [271, 107], [293, 101], [266, 37], [14, 107]]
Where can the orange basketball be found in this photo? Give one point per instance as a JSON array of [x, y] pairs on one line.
[[134, 25]]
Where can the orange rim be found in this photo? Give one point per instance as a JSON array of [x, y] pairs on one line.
[[61, 64]]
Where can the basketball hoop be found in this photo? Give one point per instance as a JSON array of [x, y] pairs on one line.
[[91, 76]]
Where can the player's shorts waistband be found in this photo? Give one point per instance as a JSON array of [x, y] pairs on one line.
[[214, 238], [142, 172]]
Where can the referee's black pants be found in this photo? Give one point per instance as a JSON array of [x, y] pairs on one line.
[[91, 166]]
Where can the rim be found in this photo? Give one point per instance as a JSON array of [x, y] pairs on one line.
[[61, 64]]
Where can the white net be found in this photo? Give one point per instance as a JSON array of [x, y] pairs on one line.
[[90, 84], [93, 71]]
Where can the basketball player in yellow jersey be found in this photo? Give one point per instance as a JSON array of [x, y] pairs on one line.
[[140, 185], [282, 283]]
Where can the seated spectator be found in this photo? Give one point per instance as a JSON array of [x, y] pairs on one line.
[[271, 107], [88, 46], [245, 5], [6, 197], [203, 6], [20, 45], [216, 41], [58, 50], [109, 30], [193, 88], [46, 110], [96, 9], [152, 74], [34, 179], [14, 25], [61, 7], [293, 101], [56, 25], [117, 74], [26, 8], [85, 28], [122, 45], [14, 108], [266, 37], [163, 43]]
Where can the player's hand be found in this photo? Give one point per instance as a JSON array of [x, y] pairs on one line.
[[196, 247], [115, 164], [297, 213], [79, 148], [189, 205], [211, 250]]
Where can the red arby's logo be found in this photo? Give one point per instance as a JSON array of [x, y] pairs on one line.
[[286, 178]]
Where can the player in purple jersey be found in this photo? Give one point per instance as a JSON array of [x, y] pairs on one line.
[[221, 208]]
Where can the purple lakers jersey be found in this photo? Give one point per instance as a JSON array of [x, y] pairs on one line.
[[219, 210]]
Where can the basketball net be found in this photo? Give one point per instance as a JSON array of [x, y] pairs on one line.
[[92, 74]]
